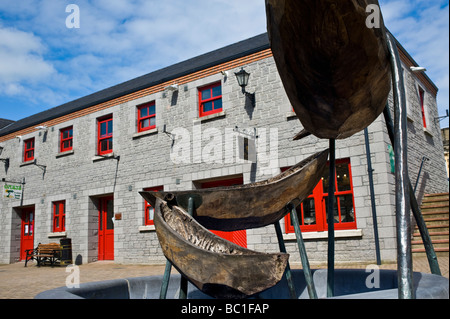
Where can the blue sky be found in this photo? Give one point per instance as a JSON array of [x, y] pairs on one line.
[[44, 64]]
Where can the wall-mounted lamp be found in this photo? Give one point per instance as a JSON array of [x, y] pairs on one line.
[[242, 77], [4, 160], [417, 69], [440, 118], [172, 136], [41, 128], [172, 88]]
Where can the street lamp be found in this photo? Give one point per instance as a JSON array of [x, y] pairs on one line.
[[242, 77], [5, 160]]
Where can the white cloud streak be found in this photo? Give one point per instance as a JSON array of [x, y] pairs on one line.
[[122, 39]]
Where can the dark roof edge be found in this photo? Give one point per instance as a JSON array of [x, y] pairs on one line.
[[255, 44], [400, 46]]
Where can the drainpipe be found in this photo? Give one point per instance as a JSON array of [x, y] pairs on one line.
[[372, 197]]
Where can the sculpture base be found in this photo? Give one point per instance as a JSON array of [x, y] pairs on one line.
[[349, 284]]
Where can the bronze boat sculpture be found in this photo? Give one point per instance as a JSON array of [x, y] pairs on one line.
[[252, 205], [214, 265], [334, 68]]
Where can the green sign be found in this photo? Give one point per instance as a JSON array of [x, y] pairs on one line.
[[12, 191], [391, 158]]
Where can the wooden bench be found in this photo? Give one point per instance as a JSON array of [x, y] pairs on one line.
[[44, 253]]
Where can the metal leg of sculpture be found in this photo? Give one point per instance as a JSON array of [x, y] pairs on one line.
[[330, 219], [426, 239], [184, 281], [288, 272], [165, 281], [303, 256], [402, 200]]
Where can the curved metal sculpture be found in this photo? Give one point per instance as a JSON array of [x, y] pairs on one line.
[[214, 265], [252, 205], [335, 69]]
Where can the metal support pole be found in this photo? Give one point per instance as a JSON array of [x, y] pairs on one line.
[[303, 256], [165, 281], [402, 200], [288, 272], [372, 197], [420, 171], [330, 219], [184, 281], [431, 254]]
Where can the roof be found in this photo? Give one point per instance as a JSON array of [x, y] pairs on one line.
[[4, 123], [228, 53]]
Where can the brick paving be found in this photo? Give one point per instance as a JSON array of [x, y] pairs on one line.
[[18, 282]]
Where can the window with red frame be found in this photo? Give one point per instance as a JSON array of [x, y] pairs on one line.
[[28, 151], [312, 212], [66, 139], [59, 216], [149, 210], [422, 106], [210, 99], [105, 135], [146, 117]]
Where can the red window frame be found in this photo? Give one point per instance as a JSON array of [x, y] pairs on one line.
[[318, 199], [66, 139], [106, 138], [146, 114], [28, 150], [148, 220], [209, 95], [422, 106], [59, 216]]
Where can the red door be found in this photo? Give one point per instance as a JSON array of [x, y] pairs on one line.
[[238, 237], [27, 232], [106, 229]]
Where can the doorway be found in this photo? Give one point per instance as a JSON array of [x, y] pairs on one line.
[[26, 231], [106, 228], [238, 237]]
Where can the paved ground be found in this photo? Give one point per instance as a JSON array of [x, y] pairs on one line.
[[18, 282]]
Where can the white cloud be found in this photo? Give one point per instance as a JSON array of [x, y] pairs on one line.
[[422, 27], [122, 39], [21, 58]]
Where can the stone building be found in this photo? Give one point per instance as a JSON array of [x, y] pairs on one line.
[[75, 171], [445, 140]]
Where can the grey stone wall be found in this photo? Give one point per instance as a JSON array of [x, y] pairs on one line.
[[203, 149]]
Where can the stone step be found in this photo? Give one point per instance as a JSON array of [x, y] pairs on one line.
[[434, 235], [437, 195], [440, 252], [435, 228], [436, 243]]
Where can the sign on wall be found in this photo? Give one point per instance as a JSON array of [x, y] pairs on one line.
[[12, 191]]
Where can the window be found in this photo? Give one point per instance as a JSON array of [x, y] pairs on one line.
[[28, 152], [210, 99], [149, 210], [66, 139], [422, 106], [59, 216], [146, 117], [105, 135], [312, 212]]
